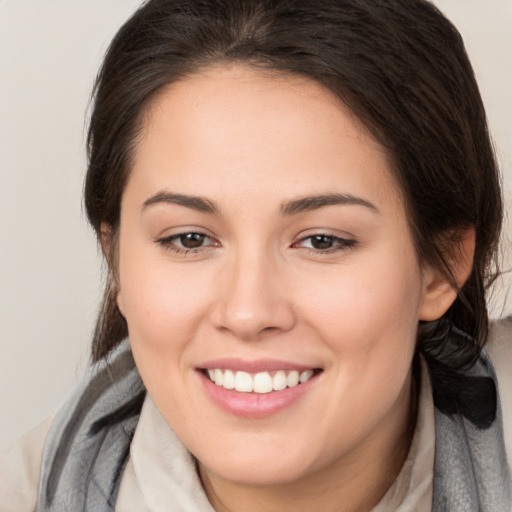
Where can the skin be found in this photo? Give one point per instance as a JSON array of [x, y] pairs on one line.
[[256, 287]]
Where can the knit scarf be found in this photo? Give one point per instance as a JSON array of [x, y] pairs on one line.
[[88, 444]]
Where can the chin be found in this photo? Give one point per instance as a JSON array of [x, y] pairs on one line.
[[266, 462], [258, 473]]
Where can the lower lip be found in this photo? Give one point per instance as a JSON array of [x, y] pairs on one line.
[[255, 405]]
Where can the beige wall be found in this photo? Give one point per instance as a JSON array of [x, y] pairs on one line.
[[49, 267]]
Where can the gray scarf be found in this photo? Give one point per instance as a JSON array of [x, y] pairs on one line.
[[88, 444]]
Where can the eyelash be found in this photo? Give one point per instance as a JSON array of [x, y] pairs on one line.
[[170, 243], [338, 244]]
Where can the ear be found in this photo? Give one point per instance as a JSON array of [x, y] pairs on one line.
[[105, 240], [119, 301], [439, 291], [107, 246]]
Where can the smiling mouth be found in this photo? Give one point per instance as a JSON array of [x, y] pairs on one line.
[[261, 382]]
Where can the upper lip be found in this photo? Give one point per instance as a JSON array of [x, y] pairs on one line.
[[255, 366]]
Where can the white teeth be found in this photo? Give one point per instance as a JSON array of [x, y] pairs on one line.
[[305, 376], [229, 380], [219, 377], [279, 381], [243, 382], [261, 382], [293, 379]]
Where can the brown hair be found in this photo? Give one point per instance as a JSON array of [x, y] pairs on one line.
[[401, 67]]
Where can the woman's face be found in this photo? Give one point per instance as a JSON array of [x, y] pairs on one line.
[[264, 241]]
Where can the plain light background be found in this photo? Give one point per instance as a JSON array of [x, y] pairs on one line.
[[50, 269]]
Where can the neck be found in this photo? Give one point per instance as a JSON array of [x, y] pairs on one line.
[[355, 482]]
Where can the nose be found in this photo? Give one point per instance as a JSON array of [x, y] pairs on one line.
[[253, 299]]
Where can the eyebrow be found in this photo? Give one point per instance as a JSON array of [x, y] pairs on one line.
[[197, 203], [309, 203]]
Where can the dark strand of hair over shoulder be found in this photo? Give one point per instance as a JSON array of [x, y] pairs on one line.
[[399, 65]]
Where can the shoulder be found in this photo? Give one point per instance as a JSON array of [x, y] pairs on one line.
[[499, 348], [97, 404], [20, 469], [88, 444]]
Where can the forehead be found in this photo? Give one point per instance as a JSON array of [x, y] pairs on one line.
[[233, 129]]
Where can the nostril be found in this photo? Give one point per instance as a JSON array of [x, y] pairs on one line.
[[255, 324]]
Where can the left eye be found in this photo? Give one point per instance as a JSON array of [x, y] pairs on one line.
[[191, 240], [322, 242], [187, 241]]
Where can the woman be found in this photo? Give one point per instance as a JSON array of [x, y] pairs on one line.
[[300, 209]]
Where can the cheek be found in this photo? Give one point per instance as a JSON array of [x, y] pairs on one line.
[[369, 322], [163, 307], [366, 304], [161, 303]]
